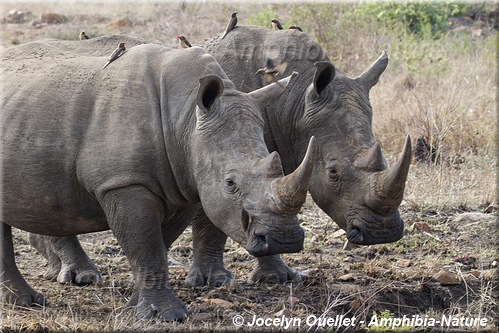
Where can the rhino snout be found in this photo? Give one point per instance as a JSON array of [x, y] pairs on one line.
[[266, 242], [375, 229]]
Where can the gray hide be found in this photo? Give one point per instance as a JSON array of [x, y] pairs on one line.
[[135, 148], [350, 182]]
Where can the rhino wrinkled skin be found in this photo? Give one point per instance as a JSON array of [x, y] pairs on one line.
[[136, 148], [350, 182]]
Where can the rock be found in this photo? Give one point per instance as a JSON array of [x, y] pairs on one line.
[[200, 317], [355, 304], [123, 22], [53, 18], [347, 277], [349, 259], [218, 302], [284, 312], [421, 226], [475, 273], [404, 263], [293, 300], [17, 16], [446, 278]]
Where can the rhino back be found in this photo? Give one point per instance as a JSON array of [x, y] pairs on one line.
[[246, 49], [71, 130]]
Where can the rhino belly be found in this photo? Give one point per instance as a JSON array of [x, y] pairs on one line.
[[41, 191]]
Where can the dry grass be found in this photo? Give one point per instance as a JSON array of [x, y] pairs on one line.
[[444, 91]]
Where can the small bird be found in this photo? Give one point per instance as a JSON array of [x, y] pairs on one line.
[[276, 25], [83, 35], [295, 27], [184, 43], [271, 70], [232, 24], [116, 54]]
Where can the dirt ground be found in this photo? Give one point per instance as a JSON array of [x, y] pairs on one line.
[[441, 275], [391, 280]]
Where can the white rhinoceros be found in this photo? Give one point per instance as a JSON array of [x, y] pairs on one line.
[[135, 148], [350, 181]]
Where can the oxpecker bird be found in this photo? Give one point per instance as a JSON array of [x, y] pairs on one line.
[[232, 24], [276, 25], [271, 70], [116, 54], [295, 27], [83, 35], [184, 43]]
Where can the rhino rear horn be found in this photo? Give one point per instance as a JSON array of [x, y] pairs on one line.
[[387, 190], [210, 89], [265, 95], [370, 77], [371, 160], [270, 166], [290, 192]]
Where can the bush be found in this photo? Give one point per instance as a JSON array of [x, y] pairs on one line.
[[421, 18]]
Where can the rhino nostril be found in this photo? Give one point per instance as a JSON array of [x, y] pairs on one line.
[[245, 220], [355, 235], [257, 245]]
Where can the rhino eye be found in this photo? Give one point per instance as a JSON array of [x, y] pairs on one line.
[[334, 175], [231, 184]]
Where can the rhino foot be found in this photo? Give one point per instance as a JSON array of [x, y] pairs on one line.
[[80, 277], [207, 276], [272, 270], [172, 309], [23, 297], [51, 273], [67, 261]]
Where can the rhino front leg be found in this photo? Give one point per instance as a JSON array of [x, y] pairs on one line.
[[135, 215], [208, 248], [68, 262], [208, 266], [271, 269], [15, 289]]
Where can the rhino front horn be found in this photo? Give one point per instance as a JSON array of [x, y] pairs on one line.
[[290, 192], [387, 190]]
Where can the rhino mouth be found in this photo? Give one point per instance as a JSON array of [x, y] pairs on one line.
[[375, 229], [263, 244]]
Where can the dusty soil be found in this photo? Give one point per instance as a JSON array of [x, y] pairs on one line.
[[397, 280], [444, 266]]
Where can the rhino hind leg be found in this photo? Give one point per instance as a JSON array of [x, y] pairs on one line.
[[272, 270], [208, 247], [15, 289], [68, 262]]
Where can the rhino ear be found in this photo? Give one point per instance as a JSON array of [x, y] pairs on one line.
[[210, 88], [324, 74], [370, 77], [264, 95]]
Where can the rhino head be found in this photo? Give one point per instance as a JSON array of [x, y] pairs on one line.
[[249, 186], [351, 181]]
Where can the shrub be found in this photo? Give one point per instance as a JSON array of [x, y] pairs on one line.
[[422, 18]]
